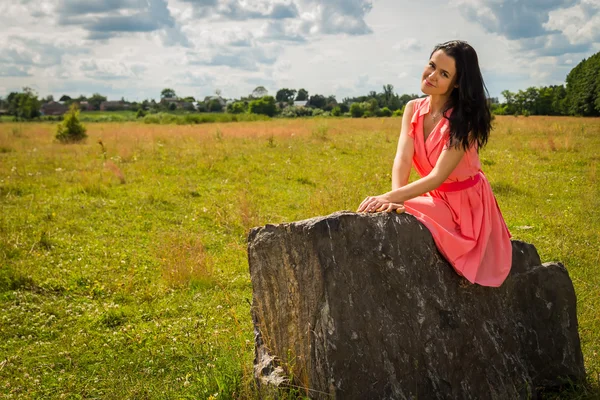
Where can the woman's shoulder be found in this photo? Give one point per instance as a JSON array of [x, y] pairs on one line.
[[414, 106]]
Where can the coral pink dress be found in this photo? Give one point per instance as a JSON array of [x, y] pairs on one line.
[[466, 224]]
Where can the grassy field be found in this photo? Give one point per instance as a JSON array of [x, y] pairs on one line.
[[123, 266]]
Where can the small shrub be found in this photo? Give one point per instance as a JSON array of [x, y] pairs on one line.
[[265, 105], [215, 106], [317, 112], [140, 114], [293, 112], [384, 112], [399, 112], [336, 112], [71, 130], [238, 107], [356, 110]]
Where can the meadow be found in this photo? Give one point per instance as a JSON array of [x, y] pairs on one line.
[[123, 264]]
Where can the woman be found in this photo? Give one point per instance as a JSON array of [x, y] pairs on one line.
[[441, 135]]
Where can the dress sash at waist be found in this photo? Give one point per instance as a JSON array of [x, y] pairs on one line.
[[461, 185]]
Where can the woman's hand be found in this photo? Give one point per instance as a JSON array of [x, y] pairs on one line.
[[379, 204]]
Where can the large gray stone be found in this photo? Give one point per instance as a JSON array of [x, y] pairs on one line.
[[363, 306]]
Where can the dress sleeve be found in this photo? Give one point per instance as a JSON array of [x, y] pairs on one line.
[[414, 119]]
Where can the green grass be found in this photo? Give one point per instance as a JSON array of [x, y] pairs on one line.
[[141, 290]]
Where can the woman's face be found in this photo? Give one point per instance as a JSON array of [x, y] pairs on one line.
[[439, 75]]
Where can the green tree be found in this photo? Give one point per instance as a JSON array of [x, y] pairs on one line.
[[65, 98], [331, 103], [405, 98], [259, 92], [317, 101], [25, 105], [285, 95], [214, 105], [302, 95], [510, 103], [388, 95], [70, 130], [265, 105], [168, 93], [238, 107], [356, 110], [583, 88], [384, 112], [559, 95], [96, 100]]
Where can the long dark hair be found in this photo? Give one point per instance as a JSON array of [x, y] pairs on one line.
[[471, 119]]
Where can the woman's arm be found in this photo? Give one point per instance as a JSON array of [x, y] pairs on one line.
[[448, 160], [405, 150]]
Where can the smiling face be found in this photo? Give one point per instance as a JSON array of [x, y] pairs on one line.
[[439, 75]]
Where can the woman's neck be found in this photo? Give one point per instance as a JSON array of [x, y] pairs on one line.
[[437, 103]]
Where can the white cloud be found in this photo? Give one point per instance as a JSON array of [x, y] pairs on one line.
[[409, 44], [109, 70], [14, 71], [134, 48], [580, 23]]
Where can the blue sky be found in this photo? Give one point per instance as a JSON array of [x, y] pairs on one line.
[[135, 48]]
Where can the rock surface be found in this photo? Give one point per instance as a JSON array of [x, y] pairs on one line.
[[363, 306]]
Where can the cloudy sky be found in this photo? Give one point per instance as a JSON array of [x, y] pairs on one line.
[[135, 48]]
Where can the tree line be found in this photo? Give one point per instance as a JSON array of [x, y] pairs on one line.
[[579, 96]]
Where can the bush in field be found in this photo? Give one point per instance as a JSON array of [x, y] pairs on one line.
[[265, 106], [356, 110], [384, 112], [192, 119], [293, 112], [215, 105], [140, 113], [71, 130], [238, 107], [399, 112], [500, 109], [317, 112], [336, 112]]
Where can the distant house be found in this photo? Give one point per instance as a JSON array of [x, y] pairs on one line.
[[179, 103], [171, 100], [3, 112], [53, 108], [300, 103]]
